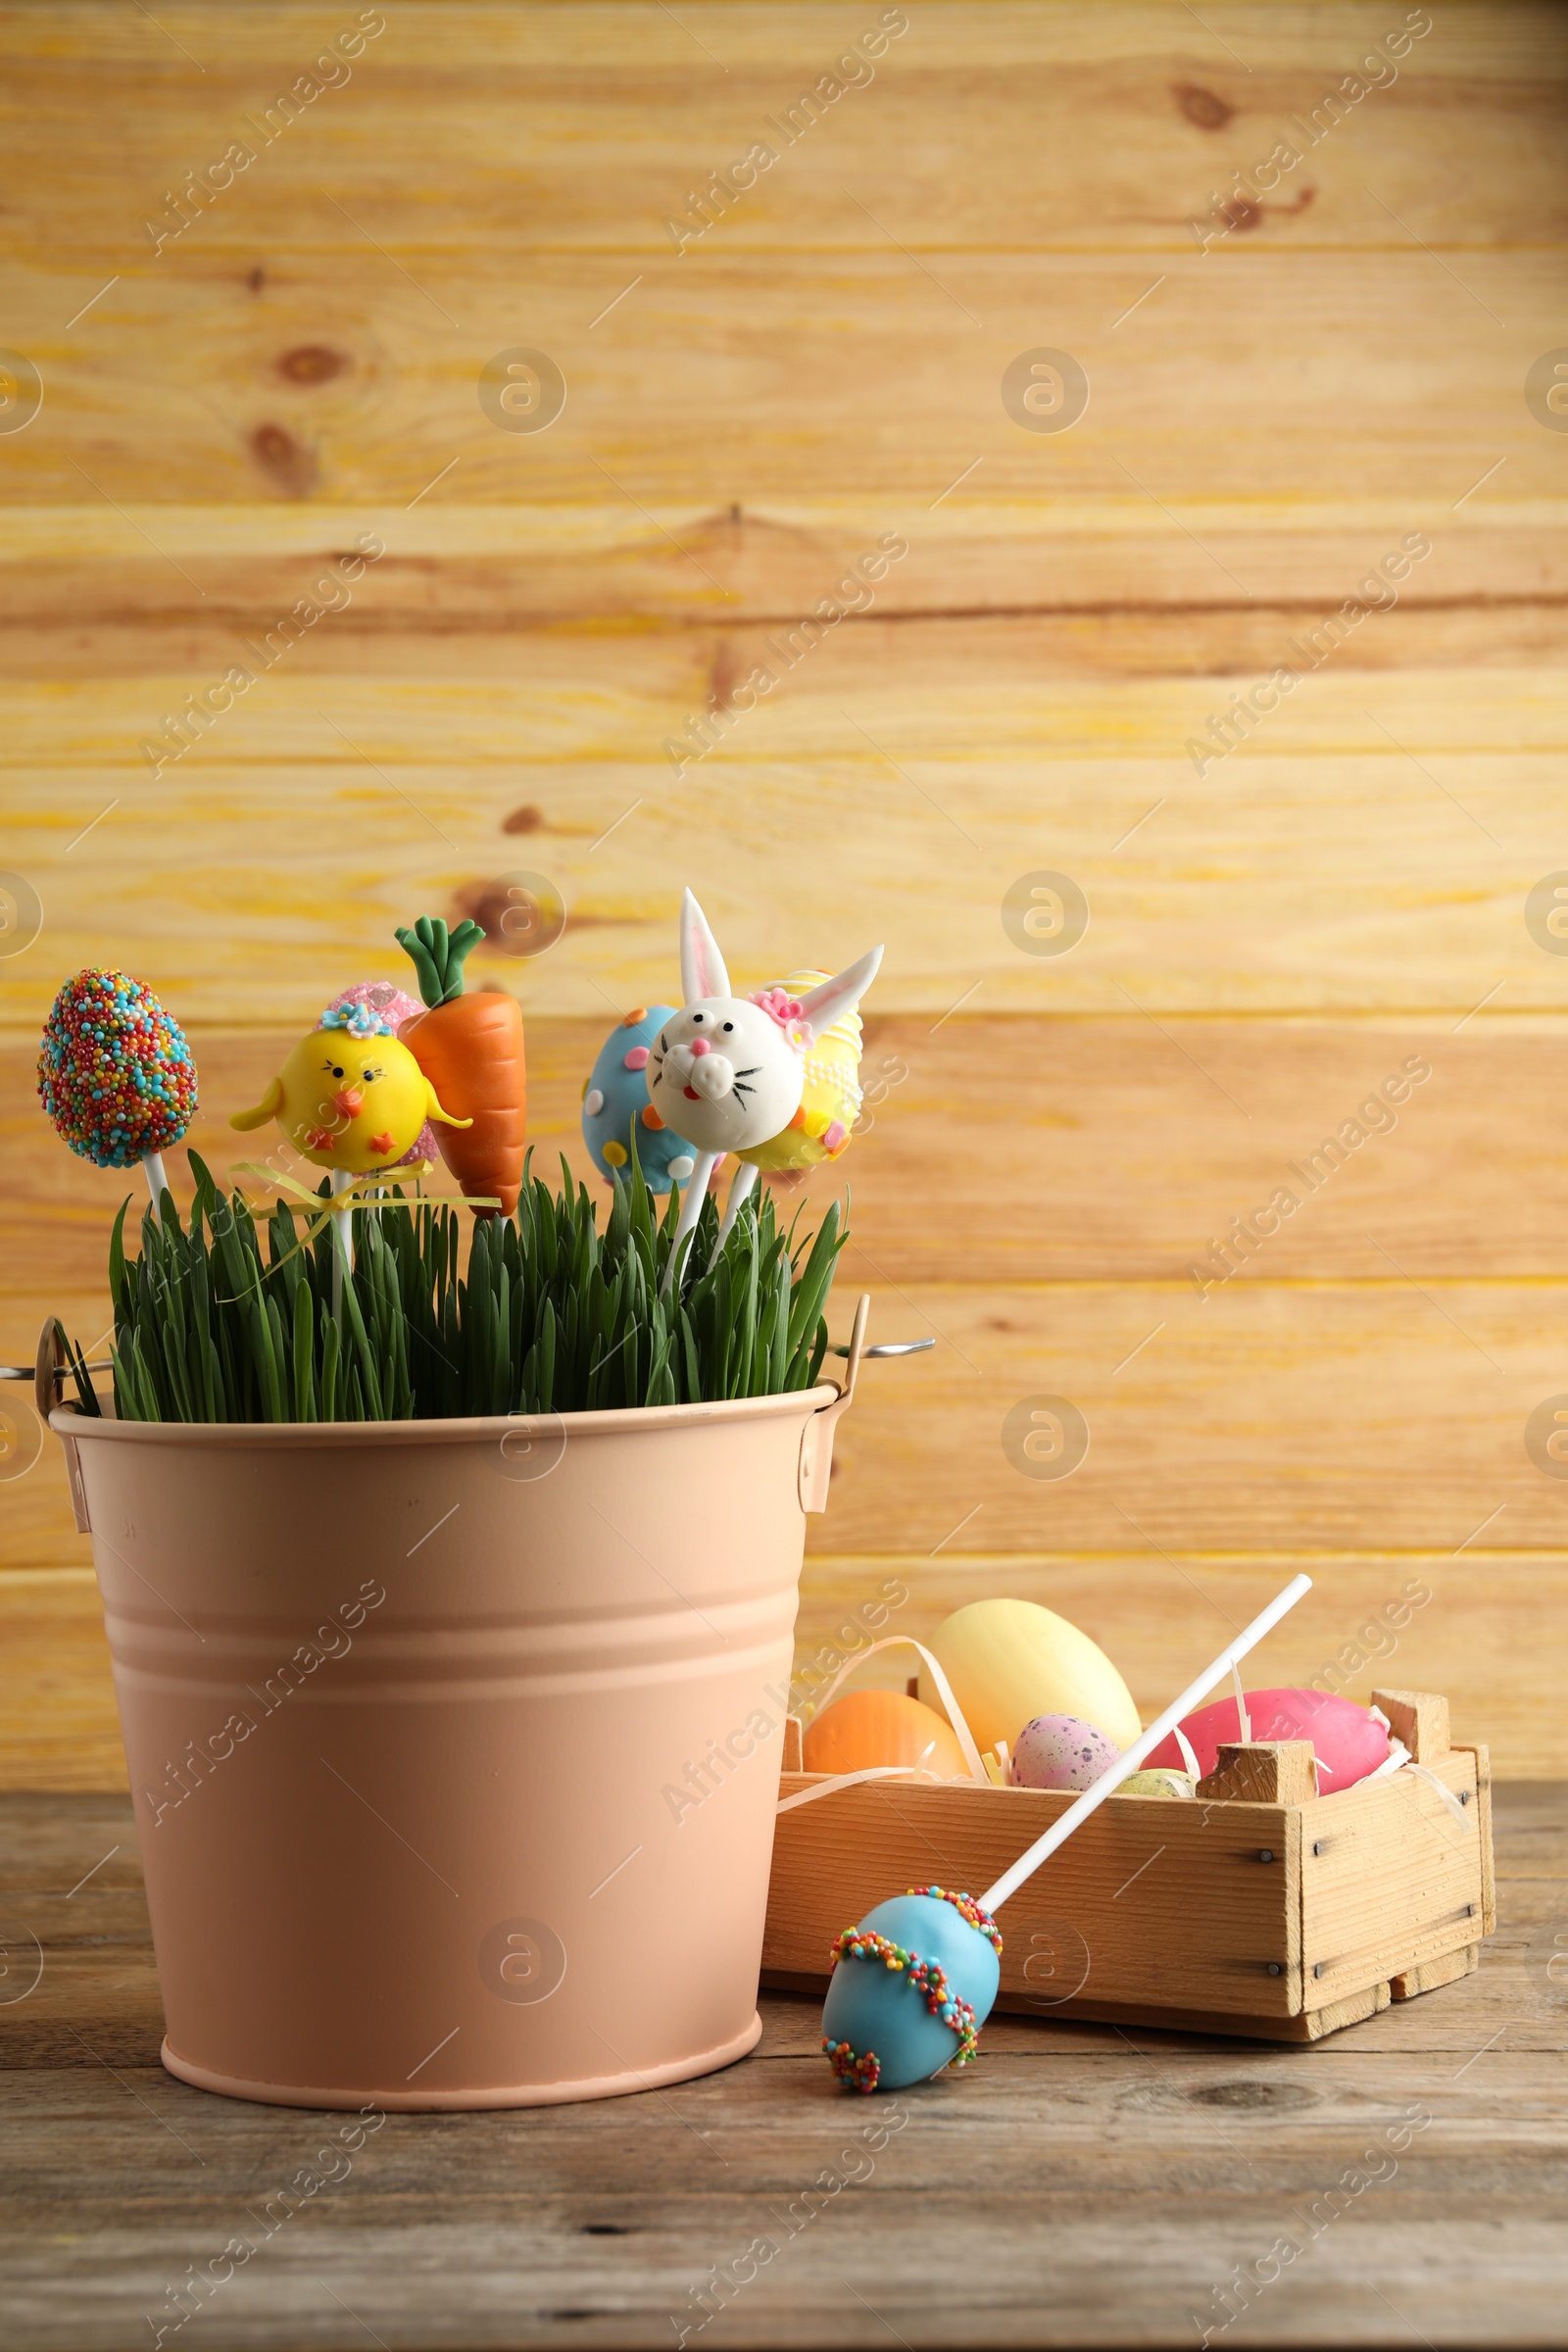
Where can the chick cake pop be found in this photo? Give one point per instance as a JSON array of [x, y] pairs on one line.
[[115, 1075], [350, 1102], [352, 1011], [614, 1098]]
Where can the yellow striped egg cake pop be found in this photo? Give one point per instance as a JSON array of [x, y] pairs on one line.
[[830, 1101]]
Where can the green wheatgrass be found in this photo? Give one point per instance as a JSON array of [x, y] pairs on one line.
[[551, 1314]]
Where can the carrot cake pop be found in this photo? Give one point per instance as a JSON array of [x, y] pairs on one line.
[[115, 1075]]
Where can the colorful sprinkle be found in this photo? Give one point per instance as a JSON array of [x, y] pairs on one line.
[[636, 1059], [616, 1154], [115, 1073], [651, 1118], [861, 2073], [966, 1908], [638, 1012]]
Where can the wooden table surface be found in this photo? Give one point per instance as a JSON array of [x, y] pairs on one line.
[[1400, 2184]]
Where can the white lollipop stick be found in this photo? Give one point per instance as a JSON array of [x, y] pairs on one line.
[[343, 1235], [1111, 1779], [739, 1190], [691, 1208], [152, 1164]]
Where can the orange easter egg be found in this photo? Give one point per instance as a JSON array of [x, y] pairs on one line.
[[881, 1726]]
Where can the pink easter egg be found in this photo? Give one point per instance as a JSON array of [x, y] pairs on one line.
[[1060, 1751], [1348, 1740]]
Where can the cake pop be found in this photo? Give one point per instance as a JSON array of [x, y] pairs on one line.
[[829, 1104], [348, 1101], [350, 1098], [348, 1012], [115, 1075], [471, 1047], [614, 1099], [729, 1072], [913, 1984]]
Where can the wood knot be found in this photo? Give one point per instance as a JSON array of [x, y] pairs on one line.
[[311, 363], [256, 279], [1247, 2095], [1201, 106], [290, 466], [526, 820], [1240, 212]]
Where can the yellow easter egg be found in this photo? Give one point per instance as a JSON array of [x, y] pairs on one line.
[[1011, 1660]]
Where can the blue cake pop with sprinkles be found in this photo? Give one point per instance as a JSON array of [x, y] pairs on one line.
[[945, 1952], [614, 1101]]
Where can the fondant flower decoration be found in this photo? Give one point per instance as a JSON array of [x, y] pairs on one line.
[[360, 1020], [788, 1013]]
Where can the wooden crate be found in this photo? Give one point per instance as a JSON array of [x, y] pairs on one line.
[[1275, 1913]]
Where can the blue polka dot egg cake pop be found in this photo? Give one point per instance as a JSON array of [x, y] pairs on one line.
[[614, 1100]]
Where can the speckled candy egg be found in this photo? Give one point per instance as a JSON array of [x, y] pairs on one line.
[[1060, 1751], [1159, 1783], [616, 1099]]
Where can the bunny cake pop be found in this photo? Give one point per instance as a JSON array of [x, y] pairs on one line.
[[115, 1075], [729, 1072], [614, 1104]]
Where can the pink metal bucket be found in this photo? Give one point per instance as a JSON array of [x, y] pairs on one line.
[[455, 1746]]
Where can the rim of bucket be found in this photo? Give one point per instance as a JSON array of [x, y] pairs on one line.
[[66, 1422]]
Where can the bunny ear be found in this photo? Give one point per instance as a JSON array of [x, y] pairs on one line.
[[840, 995], [701, 966]]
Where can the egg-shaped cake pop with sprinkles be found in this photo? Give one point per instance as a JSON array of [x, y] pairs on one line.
[[614, 1099], [355, 1012], [830, 1099], [115, 1073]]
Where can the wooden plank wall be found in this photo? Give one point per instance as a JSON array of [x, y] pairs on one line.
[[1325, 372]]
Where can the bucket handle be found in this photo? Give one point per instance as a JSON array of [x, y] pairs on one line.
[[48, 1390], [816, 1437]]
